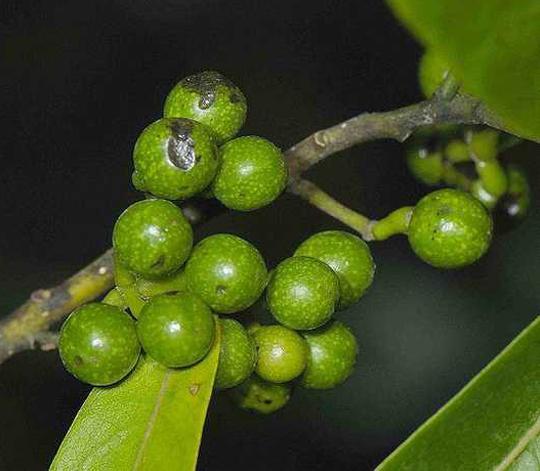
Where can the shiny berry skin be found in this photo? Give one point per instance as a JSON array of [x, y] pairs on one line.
[[332, 355], [176, 330], [237, 355], [149, 287], [431, 72], [281, 353], [152, 238], [98, 344], [349, 257], [302, 293], [257, 395], [174, 159], [450, 229], [252, 174], [209, 98], [227, 272], [425, 165]]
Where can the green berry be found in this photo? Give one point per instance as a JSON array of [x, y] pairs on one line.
[[332, 355], [148, 288], [514, 206], [211, 99], [349, 257], [431, 72], [176, 330], [302, 293], [479, 191], [450, 229], [114, 298], [152, 238], [425, 165], [174, 159], [237, 355], [98, 344], [227, 272], [260, 396], [253, 173], [281, 353]]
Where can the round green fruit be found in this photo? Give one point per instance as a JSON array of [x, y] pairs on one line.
[[174, 159], [209, 98], [252, 174], [426, 166], [332, 355], [432, 71], [450, 229], [152, 238], [237, 355], [227, 272], [176, 330], [349, 257], [514, 206], [479, 191], [302, 293], [281, 353], [98, 344], [260, 396]]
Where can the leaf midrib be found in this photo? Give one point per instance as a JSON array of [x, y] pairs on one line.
[[520, 446]]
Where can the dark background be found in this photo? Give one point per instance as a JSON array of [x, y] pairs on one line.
[[80, 80]]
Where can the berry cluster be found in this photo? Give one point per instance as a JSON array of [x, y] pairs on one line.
[[172, 295]]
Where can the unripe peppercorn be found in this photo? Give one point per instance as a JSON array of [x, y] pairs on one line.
[[152, 238], [176, 330], [252, 173], [209, 98], [98, 344], [237, 355], [257, 395], [227, 272], [450, 229], [349, 257], [174, 158], [332, 356], [431, 72], [281, 353], [425, 165], [302, 293]]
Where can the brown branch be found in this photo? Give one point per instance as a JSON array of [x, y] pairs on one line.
[[29, 324]]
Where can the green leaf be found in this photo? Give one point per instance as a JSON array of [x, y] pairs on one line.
[[151, 421], [491, 424], [492, 46]]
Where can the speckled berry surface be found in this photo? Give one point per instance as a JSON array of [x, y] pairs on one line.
[[257, 395], [174, 159], [176, 330], [450, 229], [332, 355], [98, 344], [227, 272], [152, 238], [349, 257], [281, 353], [237, 355], [211, 99], [252, 174], [302, 293]]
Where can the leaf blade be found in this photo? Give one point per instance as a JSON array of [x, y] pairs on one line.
[[487, 424], [151, 421]]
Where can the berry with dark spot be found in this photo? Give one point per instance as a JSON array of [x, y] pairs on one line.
[[302, 293], [152, 238], [237, 355], [349, 257], [252, 174], [450, 229], [281, 353], [174, 159], [209, 98], [176, 330], [98, 344], [332, 355], [257, 395], [227, 272]]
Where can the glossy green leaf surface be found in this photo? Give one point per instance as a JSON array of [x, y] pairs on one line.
[[491, 424], [151, 421], [492, 46]]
